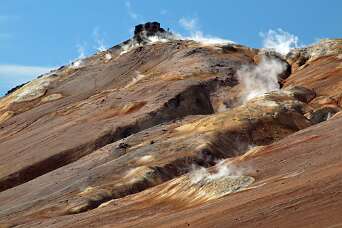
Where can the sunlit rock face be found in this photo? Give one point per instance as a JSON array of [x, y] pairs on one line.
[[318, 67], [159, 131]]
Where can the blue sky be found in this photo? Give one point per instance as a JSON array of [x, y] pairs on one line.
[[36, 35]]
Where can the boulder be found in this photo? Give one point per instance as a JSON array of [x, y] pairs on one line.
[[322, 114], [301, 93]]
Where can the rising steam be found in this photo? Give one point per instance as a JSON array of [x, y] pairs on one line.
[[81, 55], [148, 40], [198, 36], [191, 25], [100, 43], [279, 40], [136, 79], [188, 24], [260, 79], [222, 170]]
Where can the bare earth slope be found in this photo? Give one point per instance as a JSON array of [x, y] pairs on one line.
[[160, 134]]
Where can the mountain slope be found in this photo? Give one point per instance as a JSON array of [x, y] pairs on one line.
[[161, 131]]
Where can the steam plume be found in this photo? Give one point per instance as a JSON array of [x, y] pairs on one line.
[[222, 170], [132, 44], [79, 61], [191, 25], [100, 43], [136, 79], [279, 40], [260, 79]]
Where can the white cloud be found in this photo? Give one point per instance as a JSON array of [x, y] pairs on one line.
[[8, 70], [279, 40], [12, 75]]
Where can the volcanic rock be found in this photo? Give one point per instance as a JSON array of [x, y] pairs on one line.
[[143, 31], [155, 134]]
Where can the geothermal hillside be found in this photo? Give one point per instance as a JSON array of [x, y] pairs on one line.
[[160, 131]]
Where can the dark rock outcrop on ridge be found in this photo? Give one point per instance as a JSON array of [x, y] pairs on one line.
[[148, 29]]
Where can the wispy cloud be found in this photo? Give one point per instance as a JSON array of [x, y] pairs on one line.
[[279, 40], [12, 75], [14, 72], [131, 13]]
